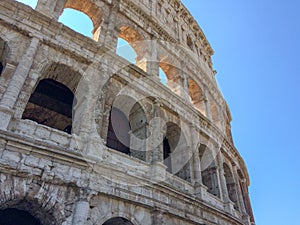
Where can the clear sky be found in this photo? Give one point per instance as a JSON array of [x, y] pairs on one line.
[[257, 47]]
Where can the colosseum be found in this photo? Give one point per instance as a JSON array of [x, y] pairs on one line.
[[89, 138]]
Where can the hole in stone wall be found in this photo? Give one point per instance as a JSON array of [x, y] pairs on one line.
[[125, 50], [163, 77], [13, 216], [51, 105], [209, 170], [1, 68], [118, 137], [117, 221], [31, 3], [71, 18]]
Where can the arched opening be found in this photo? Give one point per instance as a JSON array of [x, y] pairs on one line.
[[176, 152], [135, 53], [171, 76], [85, 26], [209, 170], [118, 135], [31, 3], [117, 221], [4, 51], [12, 216], [138, 125], [90, 9], [163, 77], [126, 51], [197, 96], [231, 186], [51, 105]]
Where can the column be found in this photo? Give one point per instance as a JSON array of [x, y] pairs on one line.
[[109, 33], [224, 193], [155, 144], [16, 83], [239, 191], [149, 62], [82, 208], [52, 9]]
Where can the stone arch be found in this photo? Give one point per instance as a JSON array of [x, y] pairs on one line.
[[209, 170], [171, 69], [89, 8], [51, 102], [176, 152], [4, 53], [43, 202], [231, 185], [118, 221], [136, 40], [197, 96], [127, 122]]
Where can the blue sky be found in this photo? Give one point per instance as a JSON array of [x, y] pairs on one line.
[[257, 47]]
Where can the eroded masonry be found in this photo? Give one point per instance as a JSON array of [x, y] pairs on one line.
[[87, 137]]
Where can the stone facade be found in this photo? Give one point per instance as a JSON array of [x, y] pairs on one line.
[[88, 138]]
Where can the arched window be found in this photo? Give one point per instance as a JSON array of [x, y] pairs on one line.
[[118, 135], [13, 216], [176, 152], [131, 46], [197, 96], [209, 170], [138, 124], [85, 11], [85, 26], [171, 76], [117, 221], [31, 3], [125, 50], [231, 186], [51, 105], [163, 77]]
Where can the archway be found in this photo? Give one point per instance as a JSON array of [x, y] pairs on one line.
[[85, 26], [197, 96], [51, 105], [90, 9], [126, 51], [231, 186], [118, 136], [175, 151], [118, 221], [12, 216], [135, 47], [209, 170]]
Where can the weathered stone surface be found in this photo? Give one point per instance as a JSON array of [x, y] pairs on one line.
[[164, 156]]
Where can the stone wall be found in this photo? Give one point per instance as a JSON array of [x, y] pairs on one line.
[[71, 176]]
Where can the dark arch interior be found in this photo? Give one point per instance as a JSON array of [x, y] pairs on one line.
[[1, 67], [13, 216], [118, 136], [167, 153], [51, 105], [117, 221]]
